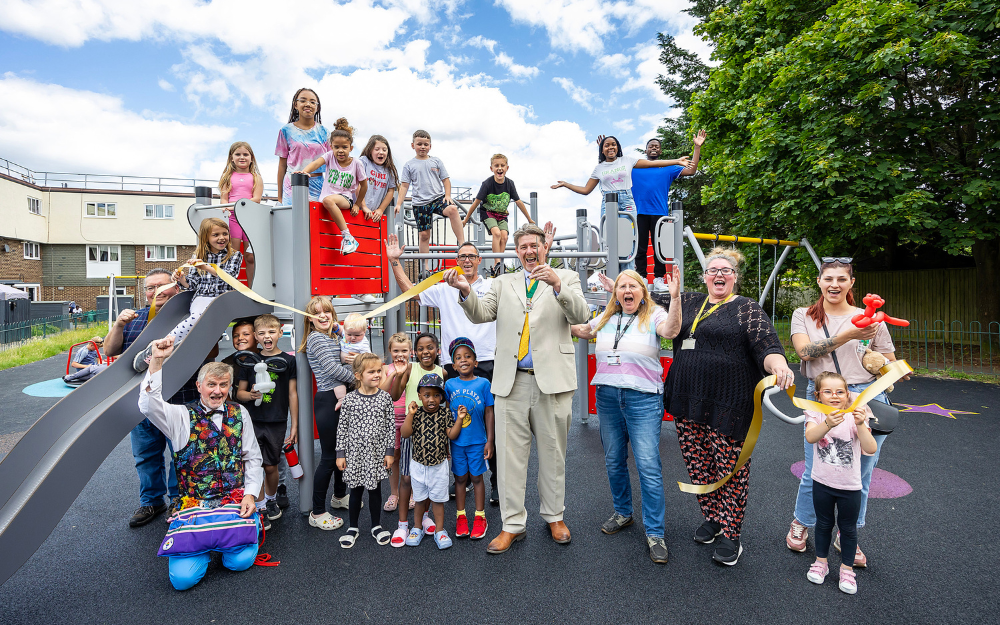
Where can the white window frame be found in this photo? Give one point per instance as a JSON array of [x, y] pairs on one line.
[[164, 209], [34, 290], [103, 268], [110, 210], [32, 251], [169, 252], [121, 291], [34, 205]]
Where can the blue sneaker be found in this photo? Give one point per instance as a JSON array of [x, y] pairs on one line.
[[442, 540], [349, 245], [416, 535]]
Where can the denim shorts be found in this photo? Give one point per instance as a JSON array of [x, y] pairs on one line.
[[424, 213]]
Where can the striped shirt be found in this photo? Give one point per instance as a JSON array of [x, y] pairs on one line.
[[207, 285], [638, 350], [323, 353]]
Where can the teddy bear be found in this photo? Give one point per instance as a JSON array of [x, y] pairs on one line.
[[873, 362]]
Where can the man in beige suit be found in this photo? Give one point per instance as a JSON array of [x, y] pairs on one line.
[[545, 302]]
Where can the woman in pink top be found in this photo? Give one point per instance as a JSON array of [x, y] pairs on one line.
[[241, 181]]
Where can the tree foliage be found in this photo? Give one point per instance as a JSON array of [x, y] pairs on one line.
[[864, 125]]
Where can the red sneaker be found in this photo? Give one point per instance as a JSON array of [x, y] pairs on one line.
[[479, 526], [462, 527]]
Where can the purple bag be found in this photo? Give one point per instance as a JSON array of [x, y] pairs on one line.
[[199, 530]]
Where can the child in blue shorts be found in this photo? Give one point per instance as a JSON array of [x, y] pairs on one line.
[[470, 398]]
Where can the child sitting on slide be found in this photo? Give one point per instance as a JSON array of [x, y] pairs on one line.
[[215, 248]]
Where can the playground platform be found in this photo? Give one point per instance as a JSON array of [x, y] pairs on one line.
[[929, 543]]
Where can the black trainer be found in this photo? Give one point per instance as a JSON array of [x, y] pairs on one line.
[[657, 549], [265, 523], [727, 551], [707, 532], [616, 523], [145, 514], [282, 496], [273, 511], [494, 498]]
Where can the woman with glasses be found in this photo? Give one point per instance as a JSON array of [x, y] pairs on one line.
[[301, 141], [826, 340], [723, 345]]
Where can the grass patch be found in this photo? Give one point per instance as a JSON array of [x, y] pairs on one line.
[[48, 347], [951, 374]]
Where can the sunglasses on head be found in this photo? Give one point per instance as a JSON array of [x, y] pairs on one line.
[[837, 259]]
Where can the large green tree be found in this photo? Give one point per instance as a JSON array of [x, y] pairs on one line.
[[860, 124]]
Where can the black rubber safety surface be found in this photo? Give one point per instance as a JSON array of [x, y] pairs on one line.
[[931, 554]]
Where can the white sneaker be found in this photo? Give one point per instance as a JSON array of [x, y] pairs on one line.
[[659, 286], [367, 298], [349, 245], [340, 502]]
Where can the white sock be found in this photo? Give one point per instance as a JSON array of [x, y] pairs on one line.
[[346, 232], [268, 498], [261, 505]]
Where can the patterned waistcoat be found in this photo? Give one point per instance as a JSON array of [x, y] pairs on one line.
[[211, 464]]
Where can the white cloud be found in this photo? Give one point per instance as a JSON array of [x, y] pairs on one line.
[[578, 94], [93, 132], [624, 125], [647, 69], [693, 43], [481, 42], [166, 86], [613, 64], [517, 71]]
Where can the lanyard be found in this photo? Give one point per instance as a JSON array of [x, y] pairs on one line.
[[619, 333], [710, 311]]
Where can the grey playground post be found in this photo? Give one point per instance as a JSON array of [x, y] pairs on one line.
[[582, 347], [303, 287], [391, 321], [533, 206]]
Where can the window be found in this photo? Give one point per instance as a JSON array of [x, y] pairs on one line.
[[120, 290], [103, 261], [161, 252], [159, 211], [101, 209], [32, 251], [34, 206], [34, 291]]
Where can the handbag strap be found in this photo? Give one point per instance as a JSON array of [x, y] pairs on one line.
[[833, 352]]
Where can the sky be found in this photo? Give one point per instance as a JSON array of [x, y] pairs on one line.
[[157, 88]]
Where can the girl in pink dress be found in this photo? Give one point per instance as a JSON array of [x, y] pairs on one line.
[[241, 181]]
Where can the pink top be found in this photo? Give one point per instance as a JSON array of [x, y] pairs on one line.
[[240, 187], [342, 180], [837, 456]]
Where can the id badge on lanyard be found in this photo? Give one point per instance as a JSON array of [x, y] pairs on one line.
[[687, 344], [614, 360]]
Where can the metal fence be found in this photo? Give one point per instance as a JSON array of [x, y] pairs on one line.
[[22, 332], [936, 345]]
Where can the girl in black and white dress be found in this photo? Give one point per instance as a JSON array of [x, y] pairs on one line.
[[366, 440]]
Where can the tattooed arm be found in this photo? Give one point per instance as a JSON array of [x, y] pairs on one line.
[[811, 350]]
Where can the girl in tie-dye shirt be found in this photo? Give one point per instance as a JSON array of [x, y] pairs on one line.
[[302, 140]]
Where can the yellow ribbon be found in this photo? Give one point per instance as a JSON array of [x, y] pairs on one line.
[[231, 281], [890, 374], [415, 290]]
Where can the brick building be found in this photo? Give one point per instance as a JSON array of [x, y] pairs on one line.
[[63, 235]]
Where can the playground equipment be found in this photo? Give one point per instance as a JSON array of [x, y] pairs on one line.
[[296, 257]]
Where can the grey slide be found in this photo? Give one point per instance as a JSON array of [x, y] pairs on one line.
[[47, 469]]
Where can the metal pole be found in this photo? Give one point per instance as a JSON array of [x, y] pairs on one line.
[[696, 246], [812, 253], [480, 240], [611, 235], [111, 297], [774, 274], [533, 206], [582, 346], [390, 324], [301, 281]]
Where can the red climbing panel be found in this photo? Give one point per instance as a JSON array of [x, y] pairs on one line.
[[364, 271]]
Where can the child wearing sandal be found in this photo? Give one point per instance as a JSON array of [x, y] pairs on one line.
[[399, 354], [838, 443], [365, 441], [430, 428]]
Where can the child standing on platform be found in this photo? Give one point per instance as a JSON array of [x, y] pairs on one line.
[[354, 342], [470, 398], [344, 184], [365, 441], [429, 427], [215, 248], [405, 385], [270, 419], [376, 158], [300, 141], [399, 354], [495, 195], [431, 191], [838, 443], [241, 181]]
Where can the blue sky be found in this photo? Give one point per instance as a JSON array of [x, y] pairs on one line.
[[163, 88]]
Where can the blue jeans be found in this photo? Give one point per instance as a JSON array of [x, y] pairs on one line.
[[630, 416], [625, 203], [155, 476], [805, 513]]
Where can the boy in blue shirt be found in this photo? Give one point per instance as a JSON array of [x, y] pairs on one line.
[[471, 400]]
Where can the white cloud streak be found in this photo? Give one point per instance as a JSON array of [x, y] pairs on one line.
[[577, 93]]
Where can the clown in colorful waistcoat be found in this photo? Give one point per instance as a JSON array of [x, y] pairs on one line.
[[217, 460]]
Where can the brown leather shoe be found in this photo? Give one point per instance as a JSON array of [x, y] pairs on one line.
[[503, 542], [560, 533]]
